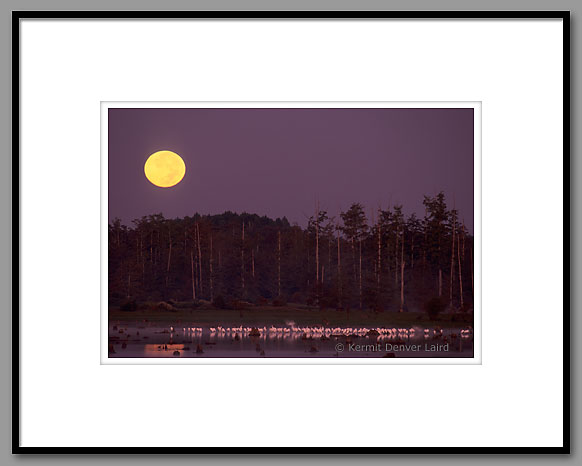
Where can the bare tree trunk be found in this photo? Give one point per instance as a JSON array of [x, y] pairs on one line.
[[242, 259], [440, 282], [317, 247], [169, 258], [472, 279], [379, 271], [128, 285], [396, 261], [402, 275], [360, 274], [354, 259], [412, 251], [152, 253], [211, 271], [464, 237], [339, 272], [199, 256], [452, 263], [460, 272], [193, 279], [329, 255], [279, 263], [253, 262], [140, 260], [424, 246]]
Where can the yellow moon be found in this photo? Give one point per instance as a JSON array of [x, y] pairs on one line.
[[164, 168]]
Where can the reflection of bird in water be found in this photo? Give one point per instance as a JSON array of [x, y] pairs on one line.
[[262, 353], [199, 349], [258, 348], [176, 353], [123, 345], [237, 337]]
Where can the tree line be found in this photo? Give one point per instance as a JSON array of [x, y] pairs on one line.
[[384, 261]]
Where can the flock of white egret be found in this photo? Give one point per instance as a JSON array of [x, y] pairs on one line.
[[313, 332]]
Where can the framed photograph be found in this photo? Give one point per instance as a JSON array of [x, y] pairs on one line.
[[325, 272], [314, 213]]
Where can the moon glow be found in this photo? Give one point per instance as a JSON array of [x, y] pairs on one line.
[[164, 169]]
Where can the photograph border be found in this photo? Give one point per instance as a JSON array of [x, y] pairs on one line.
[[476, 106], [274, 15]]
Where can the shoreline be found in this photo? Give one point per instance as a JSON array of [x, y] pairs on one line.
[[267, 316]]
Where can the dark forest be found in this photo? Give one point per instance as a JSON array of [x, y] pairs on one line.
[[379, 261]]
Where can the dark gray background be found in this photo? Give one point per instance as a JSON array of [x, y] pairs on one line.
[[5, 226]]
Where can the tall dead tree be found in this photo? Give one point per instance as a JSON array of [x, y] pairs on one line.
[[169, 257], [329, 242], [242, 259], [317, 244], [402, 274], [152, 252], [396, 254], [460, 271], [199, 257], [210, 265], [253, 262], [472, 275], [412, 250], [452, 260], [360, 283], [353, 241], [339, 271], [317, 253], [193, 278], [425, 244], [379, 263], [279, 263]]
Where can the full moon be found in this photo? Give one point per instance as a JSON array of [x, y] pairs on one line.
[[164, 168]]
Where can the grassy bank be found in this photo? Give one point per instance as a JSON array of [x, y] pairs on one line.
[[279, 316]]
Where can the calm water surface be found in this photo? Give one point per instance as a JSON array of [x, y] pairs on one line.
[[154, 340]]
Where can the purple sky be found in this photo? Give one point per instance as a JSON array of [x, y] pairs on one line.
[[277, 162]]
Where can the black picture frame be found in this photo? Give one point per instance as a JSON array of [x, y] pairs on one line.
[[17, 16]]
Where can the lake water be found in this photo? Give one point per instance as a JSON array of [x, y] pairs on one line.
[[151, 340]]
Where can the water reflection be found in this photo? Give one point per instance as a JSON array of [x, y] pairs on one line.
[[155, 340]]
